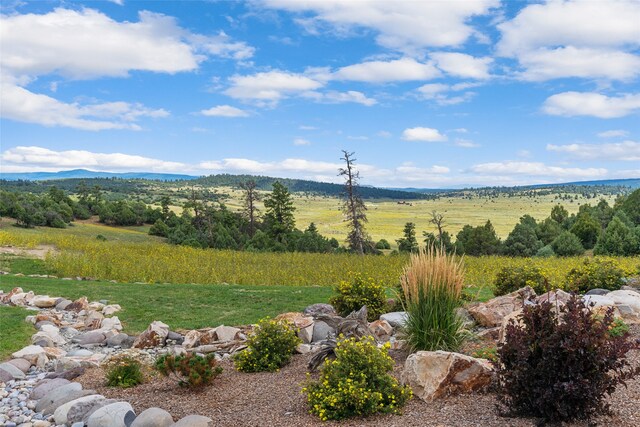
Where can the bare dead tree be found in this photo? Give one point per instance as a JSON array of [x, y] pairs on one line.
[[353, 207], [251, 211], [437, 219]]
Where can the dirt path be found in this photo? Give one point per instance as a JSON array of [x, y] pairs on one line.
[[39, 252]]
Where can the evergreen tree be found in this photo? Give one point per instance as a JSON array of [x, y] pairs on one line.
[[477, 241], [408, 243], [353, 207], [567, 244], [631, 206], [587, 228], [523, 240], [618, 239], [250, 199], [279, 208], [559, 214]]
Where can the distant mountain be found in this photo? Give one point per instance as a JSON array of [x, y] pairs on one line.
[[87, 174], [629, 182]]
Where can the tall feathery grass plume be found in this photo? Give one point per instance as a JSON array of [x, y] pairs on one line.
[[432, 284]]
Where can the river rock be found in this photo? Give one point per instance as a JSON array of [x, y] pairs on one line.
[[556, 296], [154, 336], [47, 386], [109, 323], [321, 330], [630, 298], [381, 329], [598, 291], [434, 374], [68, 397], [110, 310], [21, 364], [44, 301], [63, 304], [192, 339], [90, 338], [227, 333], [491, 313], [194, 421], [118, 414], [397, 319], [82, 405], [117, 340], [12, 370], [31, 353], [78, 305], [153, 417]]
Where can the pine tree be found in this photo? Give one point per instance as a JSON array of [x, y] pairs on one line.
[[279, 212], [353, 206], [251, 211], [408, 243]]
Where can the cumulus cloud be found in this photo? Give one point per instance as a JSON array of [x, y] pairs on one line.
[[624, 151], [466, 143], [463, 65], [397, 70], [268, 88], [87, 44], [591, 104], [536, 169], [574, 38], [423, 134], [444, 94], [614, 133], [401, 25], [335, 97], [224, 111]]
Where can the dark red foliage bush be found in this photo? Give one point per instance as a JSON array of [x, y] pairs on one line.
[[561, 366]]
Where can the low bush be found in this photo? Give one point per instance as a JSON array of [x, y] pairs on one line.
[[601, 273], [510, 279], [567, 244], [356, 383], [124, 372], [489, 353], [383, 244], [269, 348], [357, 292], [432, 287], [561, 366], [189, 370]]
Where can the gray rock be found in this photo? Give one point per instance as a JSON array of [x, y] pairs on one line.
[[54, 393], [47, 386], [67, 374], [321, 331], [61, 415], [62, 305], [118, 414], [5, 376], [630, 298], [117, 340], [12, 370], [21, 364], [315, 309], [42, 323], [97, 405], [80, 411], [50, 409], [598, 291], [397, 319], [91, 338], [630, 288], [193, 421], [153, 417], [80, 353], [174, 336]]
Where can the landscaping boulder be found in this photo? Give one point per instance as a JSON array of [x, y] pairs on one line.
[[117, 340], [381, 329], [110, 310], [61, 400], [118, 414], [21, 364], [83, 404], [397, 319], [154, 336], [321, 330], [47, 386], [79, 411], [554, 297], [630, 298], [78, 305], [31, 353], [153, 417], [109, 323], [5, 376], [491, 313], [314, 309], [194, 421], [598, 291], [44, 301], [12, 370], [91, 338], [63, 304], [192, 339], [227, 333], [434, 374]]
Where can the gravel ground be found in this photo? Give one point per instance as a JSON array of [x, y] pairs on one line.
[[266, 399]]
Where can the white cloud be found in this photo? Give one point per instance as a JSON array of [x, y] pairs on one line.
[[42, 159], [536, 169], [224, 111], [335, 97], [463, 65], [423, 134], [624, 151], [441, 93], [591, 104], [268, 88], [574, 38], [465, 143], [22, 105], [397, 70], [301, 141], [406, 26], [614, 133]]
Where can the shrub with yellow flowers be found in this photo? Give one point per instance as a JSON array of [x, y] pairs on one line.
[[356, 383], [269, 348], [357, 292], [510, 279], [604, 273]]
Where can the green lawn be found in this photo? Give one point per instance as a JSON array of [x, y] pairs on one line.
[[14, 331], [181, 306]]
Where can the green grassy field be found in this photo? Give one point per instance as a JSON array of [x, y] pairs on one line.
[[14, 331]]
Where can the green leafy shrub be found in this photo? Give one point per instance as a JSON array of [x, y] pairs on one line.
[[567, 244], [190, 370], [101, 238], [489, 353], [545, 252], [383, 244], [124, 372], [618, 328], [359, 291], [602, 273], [432, 287], [356, 383], [269, 348], [562, 366], [510, 279]]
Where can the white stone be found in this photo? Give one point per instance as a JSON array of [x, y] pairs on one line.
[[109, 323], [226, 333], [118, 414], [60, 414], [397, 319], [630, 298], [44, 301], [29, 353]]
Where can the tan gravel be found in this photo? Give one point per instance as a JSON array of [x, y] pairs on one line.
[[274, 399]]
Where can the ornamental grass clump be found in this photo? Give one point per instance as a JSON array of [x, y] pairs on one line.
[[124, 372], [189, 370], [356, 383], [269, 348], [562, 364], [432, 287]]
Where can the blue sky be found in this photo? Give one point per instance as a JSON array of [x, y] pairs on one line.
[[428, 94]]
